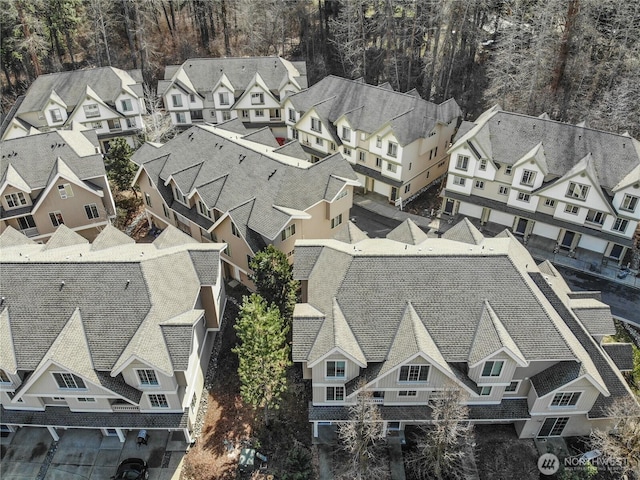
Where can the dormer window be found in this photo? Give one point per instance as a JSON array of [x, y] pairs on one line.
[[316, 125], [126, 105], [15, 199], [177, 194], [257, 98], [346, 134], [176, 100], [392, 149], [413, 373], [4, 378], [528, 177], [147, 377], [492, 369], [203, 210], [224, 98], [566, 399], [68, 381], [336, 369], [578, 191], [65, 191], [629, 203], [462, 162], [91, 111], [56, 115]]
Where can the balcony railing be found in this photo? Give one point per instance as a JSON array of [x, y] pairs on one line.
[[376, 400], [116, 407], [30, 232]]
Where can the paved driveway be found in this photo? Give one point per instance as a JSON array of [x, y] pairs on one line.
[[85, 454]]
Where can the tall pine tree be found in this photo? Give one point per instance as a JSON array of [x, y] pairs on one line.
[[273, 278]]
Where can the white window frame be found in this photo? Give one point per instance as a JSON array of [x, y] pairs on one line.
[[565, 400], [412, 373], [203, 210], [408, 393], [549, 202], [223, 97], [334, 367], [147, 377], [334, 393], [56, 116], [528, 178], [65, 191], [502, 190], [316, 125], [490, 365], [392, 167], [462, 162], [15, 199], [508, 169], [292, 115], [378, 141], [524, 197], [234, 230], [259, 113], [126, 105], [378, 162], [158, 400], [346, 134], [392, 149], [176, 100], [337, 220], [620, 225], [516, 383], [571, 209], [483, 164], [56, 218], [69, 381], [460, 181], [131, 122], [226, 115], [485, 391], [245, 114], [4, 378], [91, 210], [578, 191], [288, 231], [86, 400], [597, 217], [479, 184], [179, 196], [257, 98], [181, 118], [407, 188], [347, 151], [91, 110], [629, 203]]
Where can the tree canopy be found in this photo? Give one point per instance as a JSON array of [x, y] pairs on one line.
[[273, 278], [263, 354], [120, 169]]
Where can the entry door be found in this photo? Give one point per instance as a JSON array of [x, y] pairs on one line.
[[448, 206], [394, 194], [553, 427], [521, 226], [567, 240], [616, 251]]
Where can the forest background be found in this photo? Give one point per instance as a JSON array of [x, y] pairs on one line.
[[577, 60]]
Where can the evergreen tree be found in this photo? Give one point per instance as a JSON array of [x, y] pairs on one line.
[[263, 354], [120, 169], [273, 278]]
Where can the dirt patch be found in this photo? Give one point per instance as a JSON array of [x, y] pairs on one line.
[[426, 202], [501, 455]]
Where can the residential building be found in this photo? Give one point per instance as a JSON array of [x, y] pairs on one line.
[[214, 90], [396, 142], [243, 189], [560, 187], [54, 178], [107, 100], [109, 335], [411, 316]]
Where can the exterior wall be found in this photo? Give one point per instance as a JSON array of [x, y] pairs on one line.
[[578, 425], [542, 405], [237, 248], [165, 382]]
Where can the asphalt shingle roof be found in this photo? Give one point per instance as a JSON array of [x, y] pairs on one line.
[[621, 354]]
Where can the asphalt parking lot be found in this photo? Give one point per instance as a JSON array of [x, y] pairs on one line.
[[85, 454]]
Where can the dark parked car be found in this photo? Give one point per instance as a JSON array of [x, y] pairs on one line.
[[132, 469]]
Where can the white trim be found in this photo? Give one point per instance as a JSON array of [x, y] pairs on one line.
[[337, 350]]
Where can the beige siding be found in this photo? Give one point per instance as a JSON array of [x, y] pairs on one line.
[[436, 378], [508, 369], [131, 377], [318, 371], [588, 396], [46, 386]]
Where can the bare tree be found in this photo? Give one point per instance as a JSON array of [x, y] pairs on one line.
[[362, 437], [444, 445], [158, 127], [622, 443]]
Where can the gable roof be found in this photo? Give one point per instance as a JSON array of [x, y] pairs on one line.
[[407, 232], [612, 156], [350, 234], [252, 182], [369, 108], [205, 73], [101, 303], [464, 231]]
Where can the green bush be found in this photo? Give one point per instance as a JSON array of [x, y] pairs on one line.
[[298, 464]]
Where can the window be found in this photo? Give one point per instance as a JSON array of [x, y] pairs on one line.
[[68, 381], [593, 216], [192, 98], [503, 190], [572, 209], [346, 134], [228, 249], [96, 125], [512, 387], [65, 191], [462, 162], [347, 151], [378, 162], [56, 218], [224, 98], [257, 98], [392, 149], [259, 113], [483, 164], [91, 210], [292, 115], [288, 231], [194, 403], [56, 116], [528, 177], [480, 184], [335, 221], [620, 225], [413, 373], [165, 210], [332, 146], [508, 169], [379, 141], [26, 222], [147, 377], [91, 111], [147, 199], [577, 190], [316, 125], [492, 368], [336, 369], [553, 427], [410, 164], [131, 122], [176, 100], [203, 210], [335, 394], [234, 230], [15, 199], [245, 113], [177, 194], [294, 134], [568, 399], [113, 124], [629, 203], [408, 393], [86, 399], [158, 400], [226, 115], [458, 181], [524, 197], [197, 114], [181, 117], [407, 187], [485, 391], [319, 141], [126, 105], [4, 378], [362, 156], [550, 202], [392, 167]]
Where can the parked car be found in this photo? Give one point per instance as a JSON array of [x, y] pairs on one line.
[[132, 469]]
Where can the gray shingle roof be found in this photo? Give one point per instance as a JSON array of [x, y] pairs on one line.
[[350, 234], [407, 232], [621, 354], [263, 136], [464, 231], [368, 108], [614, 155], [71, 87], [293, 149], [556, 376], [228, 173], [204, 73], [111, 304], [179, 340], [11, 237], [598, 321], [36, 156]]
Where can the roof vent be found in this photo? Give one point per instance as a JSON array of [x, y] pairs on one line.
[[220, 147], [61, 284], [272, 174], [127, 285], [2, 301]]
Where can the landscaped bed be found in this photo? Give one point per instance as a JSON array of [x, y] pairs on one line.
[[501, 455]]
